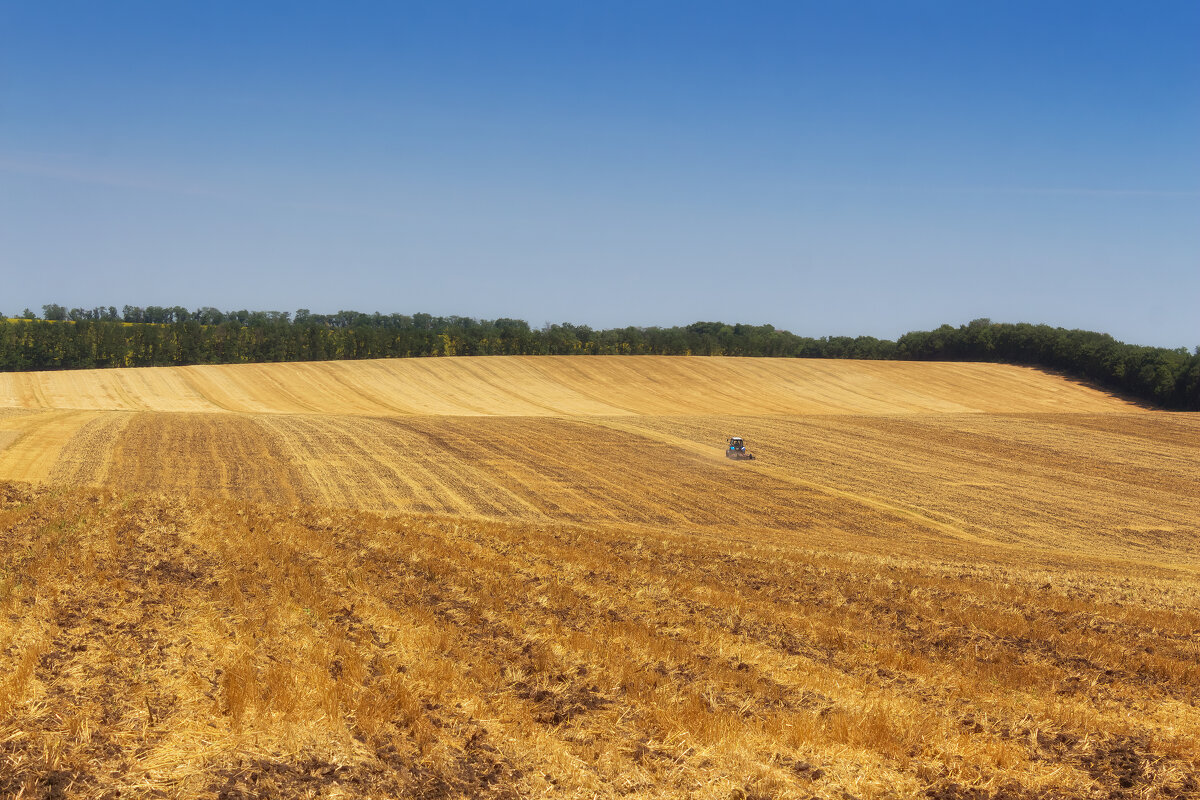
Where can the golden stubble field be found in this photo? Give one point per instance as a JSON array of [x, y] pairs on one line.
[[523, 577]]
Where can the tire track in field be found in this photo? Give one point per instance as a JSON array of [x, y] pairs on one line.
[[1018, 481], [534, 468], [128, 399], [87, 457], [32, 453], [455, 458], [364, 463], [442, 466], [574, 481], [617, 478], [8, 431], [227, 455], [338, 468], [374, 392], [501, 457], [569, 476], [289, 396], [580, 472]]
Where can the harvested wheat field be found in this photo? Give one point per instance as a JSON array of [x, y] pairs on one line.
[[539, 577]]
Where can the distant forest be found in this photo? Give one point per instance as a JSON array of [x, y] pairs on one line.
[[80, 338]]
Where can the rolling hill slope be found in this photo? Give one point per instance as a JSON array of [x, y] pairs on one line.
[[506, 577], [561, 386], [926, 454]]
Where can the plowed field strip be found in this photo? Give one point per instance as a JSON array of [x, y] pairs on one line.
[[1056, 485], [945, 469], [511, 460], [204, 646], [1017, 473], [363, 463], [917, 481], [226, 455], [531, 469], [1145, 429], [769, 611], [945, 525], [321, 458], [373, 463], [579, 475], [88, 456]]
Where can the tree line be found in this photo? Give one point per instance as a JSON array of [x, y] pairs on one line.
[[1156, 375], [166, 336]]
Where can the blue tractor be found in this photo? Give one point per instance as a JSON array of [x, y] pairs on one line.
[[737, 450]]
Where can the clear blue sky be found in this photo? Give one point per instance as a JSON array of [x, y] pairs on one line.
[[828, 167]]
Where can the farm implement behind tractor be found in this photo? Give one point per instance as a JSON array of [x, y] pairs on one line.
[[737, 450]]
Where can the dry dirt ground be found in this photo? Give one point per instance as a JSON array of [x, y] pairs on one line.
[[525, 577]]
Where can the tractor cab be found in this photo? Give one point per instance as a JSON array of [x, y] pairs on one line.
[[737, 449]]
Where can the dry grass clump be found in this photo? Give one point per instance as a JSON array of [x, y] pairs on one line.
[[160, 645]]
